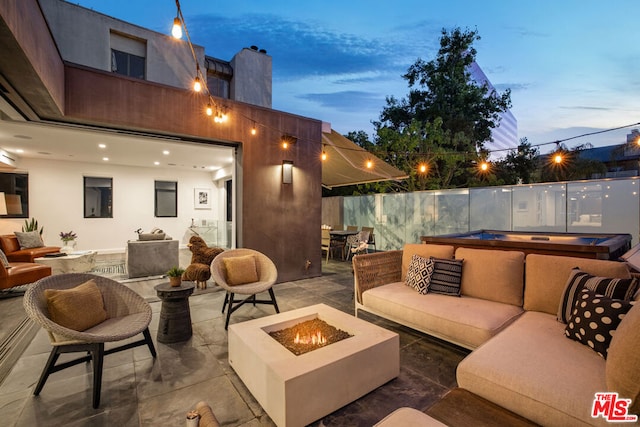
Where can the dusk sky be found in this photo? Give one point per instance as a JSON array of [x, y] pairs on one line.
[[573, 66]]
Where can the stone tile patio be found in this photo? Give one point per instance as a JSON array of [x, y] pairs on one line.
[[138, 391]]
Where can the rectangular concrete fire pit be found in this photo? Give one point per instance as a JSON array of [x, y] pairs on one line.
[[297, 390]]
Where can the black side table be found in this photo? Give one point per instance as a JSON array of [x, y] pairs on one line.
[[175, 316]]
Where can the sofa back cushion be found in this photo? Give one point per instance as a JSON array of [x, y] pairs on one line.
[[425, 251], [546, 278], [493, 275], [9, 243], [623, 361]]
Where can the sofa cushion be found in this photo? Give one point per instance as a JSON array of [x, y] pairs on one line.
[[494, 275], [424, 250], [468, 322], [241, 269], [623, 360], [622, 289], [532, 369], [4, 260], [29, 239], [546, 278], [419, 274], [446, 277], [594, 320], [78, 308]]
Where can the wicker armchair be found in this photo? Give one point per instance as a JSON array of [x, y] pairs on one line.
[[267, 276], [128, 314]]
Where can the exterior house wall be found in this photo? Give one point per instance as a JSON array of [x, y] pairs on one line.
[[252, 77], [281, 220]]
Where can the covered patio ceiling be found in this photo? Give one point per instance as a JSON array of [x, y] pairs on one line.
[[346, 163]]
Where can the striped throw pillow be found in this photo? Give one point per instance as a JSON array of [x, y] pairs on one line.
[[621, 289], [446, 277]]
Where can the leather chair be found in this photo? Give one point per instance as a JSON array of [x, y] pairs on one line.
[[22, 273], [11, 248]]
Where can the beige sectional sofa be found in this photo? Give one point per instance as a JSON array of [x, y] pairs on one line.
[[506, 314]]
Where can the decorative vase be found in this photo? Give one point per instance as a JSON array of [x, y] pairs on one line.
[[68, 246], [175, 281]]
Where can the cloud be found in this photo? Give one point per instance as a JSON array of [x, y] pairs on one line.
[[298, 49], [587, 107], [347, 101]]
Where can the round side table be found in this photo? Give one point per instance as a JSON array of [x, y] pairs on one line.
[[175, 316]]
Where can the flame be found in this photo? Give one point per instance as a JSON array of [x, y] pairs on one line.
[[314, 339]]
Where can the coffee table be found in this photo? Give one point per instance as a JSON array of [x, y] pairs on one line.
[[297, 390], [73, 262]]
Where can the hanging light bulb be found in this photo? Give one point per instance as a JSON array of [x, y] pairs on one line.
[[422, 168], [285, 144], [484, 166], [197, 86], [209, 110], [253, 129], [557, 158], [369, 164], [324, 155], [176, 30], [223, 117]]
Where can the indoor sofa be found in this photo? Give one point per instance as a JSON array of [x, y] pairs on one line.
[[22, 273], [507, 314], [11, 248]]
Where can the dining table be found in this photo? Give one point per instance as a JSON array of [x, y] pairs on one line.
[[341, 236]]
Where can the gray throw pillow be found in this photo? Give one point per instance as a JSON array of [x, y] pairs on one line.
[[4, 260], [29, 239]]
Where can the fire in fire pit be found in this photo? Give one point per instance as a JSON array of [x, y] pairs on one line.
[[307, 336]]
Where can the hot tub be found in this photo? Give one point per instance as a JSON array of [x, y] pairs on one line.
[[582, 245]]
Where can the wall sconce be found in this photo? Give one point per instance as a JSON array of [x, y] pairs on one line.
[[287, 171]]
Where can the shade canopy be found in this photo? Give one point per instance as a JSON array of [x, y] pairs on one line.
[[346, 163]]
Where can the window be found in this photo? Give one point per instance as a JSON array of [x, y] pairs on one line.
[[127, 64], [128, 55], [15, 187], [166, 199], [98, 197]]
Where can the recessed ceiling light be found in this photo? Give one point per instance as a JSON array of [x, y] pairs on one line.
[[106, 159], [156, 163], [165, 152], [19, 150], [102, 145]]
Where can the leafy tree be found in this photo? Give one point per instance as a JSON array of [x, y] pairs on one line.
[[442, 89], [519, 167], [571, 167]]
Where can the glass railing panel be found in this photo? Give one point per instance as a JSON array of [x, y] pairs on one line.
[[540, 207], [420, 215], [490, 208], [451, 211]]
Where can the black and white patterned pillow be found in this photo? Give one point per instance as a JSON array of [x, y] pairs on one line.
[[594, 320], [446, 277], [622, 289], [419, 274]]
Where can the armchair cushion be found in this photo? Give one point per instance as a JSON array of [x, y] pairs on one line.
[[241, 269], [78, 308], [29, 239]]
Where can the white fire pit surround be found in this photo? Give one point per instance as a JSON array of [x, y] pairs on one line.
[[297, 390]]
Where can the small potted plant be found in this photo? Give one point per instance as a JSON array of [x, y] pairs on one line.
[[175, 276], [68, 240]]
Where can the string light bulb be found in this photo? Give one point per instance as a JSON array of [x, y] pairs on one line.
[[324, 155], [422, 168], [369, 164], [176, 30], [197, 85], [253, 129], [209, 110], [557, 159], [484, 166], [285, 144]]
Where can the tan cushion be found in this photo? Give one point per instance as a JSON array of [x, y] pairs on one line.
[[78, 308], [623, 361], [425, 251], [493, 275], [546, 277], [404, 417], [241, 269]]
